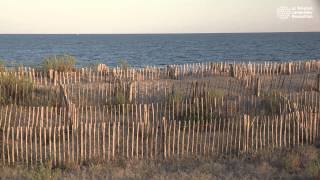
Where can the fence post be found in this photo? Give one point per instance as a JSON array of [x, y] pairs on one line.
[[318, 82], [258, 87]]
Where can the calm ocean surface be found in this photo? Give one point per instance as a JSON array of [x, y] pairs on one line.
[[149, 49]]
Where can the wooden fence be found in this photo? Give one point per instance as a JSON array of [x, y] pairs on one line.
[[187, 109], [155, 91], [172, 112], [91, 75], [159, 139]]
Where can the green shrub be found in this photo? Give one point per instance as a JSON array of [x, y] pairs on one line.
[[124, 65], [60, 63], [2, 65], [305, 160], [292, 162], [44, 96], [42, 172], [270, 104], [215, 93], [13, 88], [175, 96], [120, 98], [311, 161], [313, 168]]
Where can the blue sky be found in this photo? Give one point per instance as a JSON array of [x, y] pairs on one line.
[[152, 16]]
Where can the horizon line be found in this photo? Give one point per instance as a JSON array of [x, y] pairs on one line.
[[164, 33]]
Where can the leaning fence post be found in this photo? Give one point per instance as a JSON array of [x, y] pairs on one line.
[[233, 70]]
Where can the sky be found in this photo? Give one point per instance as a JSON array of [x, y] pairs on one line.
[[153, 16]]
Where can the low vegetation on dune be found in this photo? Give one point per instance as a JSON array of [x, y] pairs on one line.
[[176, 122], [175, 96], [60, 63], [270, 104], [124, 64], [13, 88], [301, 163], [216, 93], [2, 65]]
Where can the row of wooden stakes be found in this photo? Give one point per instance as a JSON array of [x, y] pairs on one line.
[[233, 69], [160, 91], [192, 108], [158, 140]]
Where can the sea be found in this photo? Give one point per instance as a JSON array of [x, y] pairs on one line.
[[140, 50]]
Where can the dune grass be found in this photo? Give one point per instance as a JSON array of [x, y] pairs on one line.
[[12, 88], [60, 63], [301, 163]]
